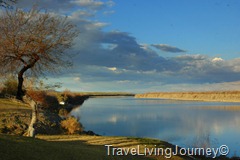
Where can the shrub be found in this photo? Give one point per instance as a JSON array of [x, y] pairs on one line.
[[71, 125], [38, 96], [63, 112], [46, 100], [10, 86]]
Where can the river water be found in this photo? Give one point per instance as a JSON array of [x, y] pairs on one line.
[[183, 123]]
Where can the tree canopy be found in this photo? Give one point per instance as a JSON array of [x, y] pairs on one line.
[[34, 41], [7, 3]]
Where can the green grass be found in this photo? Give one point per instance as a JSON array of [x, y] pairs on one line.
[[74, 147], [23, 148]]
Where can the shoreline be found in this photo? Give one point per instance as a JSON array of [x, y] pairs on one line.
[[221, 96], [68, 140]]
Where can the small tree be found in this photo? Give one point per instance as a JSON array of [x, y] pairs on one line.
[[34, 42]]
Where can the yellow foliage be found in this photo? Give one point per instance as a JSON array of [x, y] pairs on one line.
[[71, 125]]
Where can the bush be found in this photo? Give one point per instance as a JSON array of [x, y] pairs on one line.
[[38, 96], [46, 100], [71, 125], [63, 112], [10, 86]]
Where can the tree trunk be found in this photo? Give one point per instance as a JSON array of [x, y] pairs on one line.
[[27, 99], [31, 128], [20, 92]]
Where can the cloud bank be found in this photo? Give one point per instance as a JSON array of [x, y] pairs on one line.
[[168, 48]]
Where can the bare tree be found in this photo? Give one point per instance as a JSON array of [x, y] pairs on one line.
[[34, 42]]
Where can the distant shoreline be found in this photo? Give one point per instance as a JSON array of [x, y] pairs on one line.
[[213, 96], [106, 94]]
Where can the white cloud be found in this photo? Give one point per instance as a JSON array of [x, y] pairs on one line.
[[110, 3], [124, 81], [77, 79], [66, 7], [112, 68], [217, 59], [88, 3], [100, 24], [93, 4], [113, 119], [81, 14]]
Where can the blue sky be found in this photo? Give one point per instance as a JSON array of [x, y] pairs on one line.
[[205, 27], [157, 45]]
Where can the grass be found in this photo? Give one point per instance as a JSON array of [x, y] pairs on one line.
[[14, 116], [7, 104], [22, 148], [76, 147], [64, 147], [218, 96]]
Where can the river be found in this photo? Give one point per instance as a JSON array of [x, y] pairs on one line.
[[183, 123]]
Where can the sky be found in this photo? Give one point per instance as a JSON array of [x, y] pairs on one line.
[[158, 45]]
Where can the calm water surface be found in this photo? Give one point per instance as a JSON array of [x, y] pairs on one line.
[[184, 123]]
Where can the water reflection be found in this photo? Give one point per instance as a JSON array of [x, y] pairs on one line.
[[186, 123]]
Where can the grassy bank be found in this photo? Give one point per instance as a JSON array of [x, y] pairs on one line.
[[221, 96], [74, 147], [6, 104], [14, 116]]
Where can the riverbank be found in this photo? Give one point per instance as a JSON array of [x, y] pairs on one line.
[[81, 147], [221, 96], [15, 118], [62, 146]]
